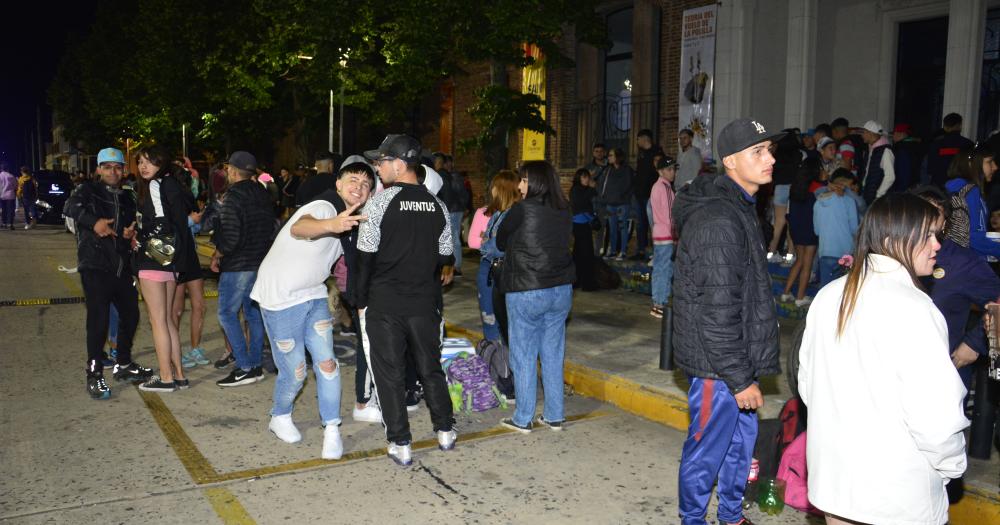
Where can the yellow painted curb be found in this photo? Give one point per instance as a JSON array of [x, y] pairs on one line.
[[977, 507], [229, 509]]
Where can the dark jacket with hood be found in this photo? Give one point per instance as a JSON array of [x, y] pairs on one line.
[[176, 202], [535, 240], [246, 227], [725, 321], [89, 202]]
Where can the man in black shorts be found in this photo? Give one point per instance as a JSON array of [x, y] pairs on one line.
[[401, 249]]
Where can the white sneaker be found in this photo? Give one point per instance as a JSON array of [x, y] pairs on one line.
[[446, 440], [804, 301], [787, 298], [400, 454], [370, 414], [333, 446], [284, 428]]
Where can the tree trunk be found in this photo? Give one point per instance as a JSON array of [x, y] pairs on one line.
[[496, 153]]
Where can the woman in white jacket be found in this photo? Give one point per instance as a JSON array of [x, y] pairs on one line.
[[885, 403]]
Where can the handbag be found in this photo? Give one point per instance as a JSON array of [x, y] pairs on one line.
[[161, 248]]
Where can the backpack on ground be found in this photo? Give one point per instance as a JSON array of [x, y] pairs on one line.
[[497, 356], [959, 222], [775, 435], [478, 392], [793, 471]]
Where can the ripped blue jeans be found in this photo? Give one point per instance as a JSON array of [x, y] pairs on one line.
[[306, 326]]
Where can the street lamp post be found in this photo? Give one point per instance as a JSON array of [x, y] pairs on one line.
[[329, 146], [340, 136]]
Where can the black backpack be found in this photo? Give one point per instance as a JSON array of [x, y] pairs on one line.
[[497, 356]]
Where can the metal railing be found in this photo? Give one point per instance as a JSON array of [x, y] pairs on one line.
[[612, 119]]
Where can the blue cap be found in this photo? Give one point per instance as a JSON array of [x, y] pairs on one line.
[[110, 155]]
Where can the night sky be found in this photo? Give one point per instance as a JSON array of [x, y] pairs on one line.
[[34, 41]]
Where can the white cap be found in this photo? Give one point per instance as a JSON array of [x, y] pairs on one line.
[[873, 126], [823, 142]]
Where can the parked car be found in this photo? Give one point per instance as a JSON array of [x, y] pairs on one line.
[[54, 188]]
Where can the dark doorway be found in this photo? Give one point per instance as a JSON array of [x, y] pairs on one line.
[[989, 91], [920, 63]]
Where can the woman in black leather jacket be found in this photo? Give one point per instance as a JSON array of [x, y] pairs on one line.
[[537, 278], [163, 209]]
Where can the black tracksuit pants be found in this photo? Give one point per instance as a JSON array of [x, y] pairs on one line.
[[102, 289], [388, 338]]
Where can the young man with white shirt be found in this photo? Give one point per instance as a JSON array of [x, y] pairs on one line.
[[292, 294]]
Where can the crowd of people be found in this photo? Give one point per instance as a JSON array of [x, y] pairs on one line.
[[387, 227]]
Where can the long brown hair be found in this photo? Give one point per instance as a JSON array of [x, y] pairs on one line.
[[159, 157], [894, 226], [503, 192]]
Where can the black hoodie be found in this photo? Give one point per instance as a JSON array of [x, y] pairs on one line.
[[725, 322]]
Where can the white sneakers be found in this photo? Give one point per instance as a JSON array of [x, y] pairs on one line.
[[446, 440], [804, 301], [370, 414], [402, 455], [333, 446], [787, 298], [284, 428]]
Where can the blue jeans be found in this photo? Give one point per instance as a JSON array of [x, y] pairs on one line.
[[484, 291], [663, 272], [618, 226], [456, 236], [827, 267], [234, 293], [538, 331], [30, 210], [113, 324], [306, 326]]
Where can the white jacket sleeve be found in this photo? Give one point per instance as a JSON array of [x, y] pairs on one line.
[[931, 392], [888, 165]]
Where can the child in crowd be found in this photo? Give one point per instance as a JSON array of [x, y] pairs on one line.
[[661, 201], [995, 220], [835, 220]]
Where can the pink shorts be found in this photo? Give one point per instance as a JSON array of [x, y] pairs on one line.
[[159, 276]]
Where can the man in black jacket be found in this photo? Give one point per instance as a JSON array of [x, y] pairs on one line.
[[324, 179], [401, 248], [645, 177], [246, 229], [725, 323], [105, 225]]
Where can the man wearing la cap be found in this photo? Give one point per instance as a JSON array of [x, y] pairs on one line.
[[878, 171], [246, 229], [725, 323], [402, 246], [105, 226]]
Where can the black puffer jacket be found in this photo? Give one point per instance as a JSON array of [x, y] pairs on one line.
[[725, 322], [246, 227], [95, 200], [177, 202], [535, 240]]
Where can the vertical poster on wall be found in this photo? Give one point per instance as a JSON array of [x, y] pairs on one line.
[[533, 81], [698, 75]]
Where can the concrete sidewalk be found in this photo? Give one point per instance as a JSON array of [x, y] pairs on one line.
[[612, 354]]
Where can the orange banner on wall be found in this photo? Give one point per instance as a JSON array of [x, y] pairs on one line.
[[533, 81]]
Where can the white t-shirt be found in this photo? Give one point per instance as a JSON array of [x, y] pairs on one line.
[[295, 270]]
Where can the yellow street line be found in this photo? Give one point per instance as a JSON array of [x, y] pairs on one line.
[[228, 507], [379, 452], [197, 465]]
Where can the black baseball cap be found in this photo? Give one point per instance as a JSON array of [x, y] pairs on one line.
[[243, 160], [665, 162], [402, 147], [742, 133]]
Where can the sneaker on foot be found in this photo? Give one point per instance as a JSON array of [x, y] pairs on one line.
[[132, 372], [155, 384], [188, 360], [97, 387], [370, 414], [787, 298], [412, 401], [400, 453], [656, 311], [333, 445], [224, 361], [284, 429], [107, 361], [199, 356], [240, 377], [509, 423], [182, 384], [553, 425], [447, 439], [804, 301]]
